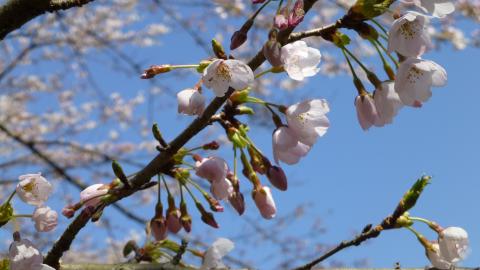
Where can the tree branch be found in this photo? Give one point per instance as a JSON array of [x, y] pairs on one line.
[[15, 13], [124, 266]]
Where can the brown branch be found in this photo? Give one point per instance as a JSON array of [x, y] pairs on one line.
[[15, 13]]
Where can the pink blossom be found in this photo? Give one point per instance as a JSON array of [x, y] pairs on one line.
[[190, 102], [158, 227], [45, 219], [415, 78], [212, 168], [366, 111], [221, 189], [408, 35], [297, 14], [92, 195], [287, 147], [33, 189], [387, 103], [265, 203], [308, 120]]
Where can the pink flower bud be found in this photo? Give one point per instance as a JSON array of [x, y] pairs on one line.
[[190, 102], [238, 202], [277, 177], [221, 189], [265, 203], [158, 228], [366, 111], [280, 21], [173, 221], [92, 195], [297, 14], [45, 219], [238, 38], [212, 168], [69, 210]]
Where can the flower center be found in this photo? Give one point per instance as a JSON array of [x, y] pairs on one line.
[[223, 72], [409, 30], [303, 117], [29, 187], [414, 74]]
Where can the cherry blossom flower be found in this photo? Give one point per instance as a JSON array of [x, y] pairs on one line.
[[438, 8], [436, 258], [408, 35], [212, 168], [287, 147], [221, 189], [24, 255], [299, 60], [214, 254], [45, 219], [238, 202], [221, 74], [33, 189], [453, 243], [190, 102], [308, 120], [414, 80], [92, 195], [387, 103], [264, 200], [366, 111]]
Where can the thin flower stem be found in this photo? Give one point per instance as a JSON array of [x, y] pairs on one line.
[[197, 186], [380, 26], [235, 161], [259, 9], [166, 186], [191, 194], [195, 149], [387, 53], [357, 60], [384, 62], [263, 73], [22, 216], [354, 74], [184, 66], [159, 188], [279, 6], [188, 164], [10, 197], [426, 221]]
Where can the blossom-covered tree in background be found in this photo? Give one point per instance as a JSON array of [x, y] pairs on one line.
[[192, 179]]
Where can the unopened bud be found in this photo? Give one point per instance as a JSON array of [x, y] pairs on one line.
[[272, 50], [240, 36], [206, 217], [213, 145], [277, 177], [130, 246], [297, 14], [155, 70], [118, 171], [244, 110], [239, 97], [185, 218], [158, 228], [280, 21], [366, 31], [6, 213], [238, 202], [218, 49]]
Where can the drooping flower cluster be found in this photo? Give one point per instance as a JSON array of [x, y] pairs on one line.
[[411, 85], [32, 189]]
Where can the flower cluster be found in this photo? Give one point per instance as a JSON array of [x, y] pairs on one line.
[[32, 189]]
